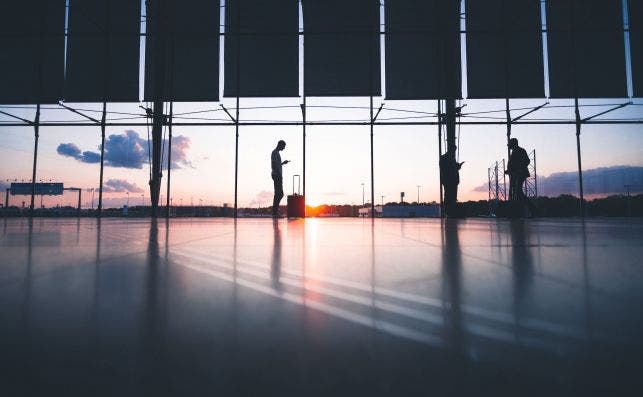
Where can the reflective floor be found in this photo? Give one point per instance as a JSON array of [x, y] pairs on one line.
[[388, 307]]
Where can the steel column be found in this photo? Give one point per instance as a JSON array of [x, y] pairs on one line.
[[578, 154], [36, 127], [371, 120], [440, 155], [509, 121], [236, 120], [169, 159], [303, 111], [372, 166], [236, 155], [158, 119], [102, 159]]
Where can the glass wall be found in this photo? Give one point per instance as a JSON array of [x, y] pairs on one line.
[[202, 166], [16, 159], [70, 155], [255, 147]]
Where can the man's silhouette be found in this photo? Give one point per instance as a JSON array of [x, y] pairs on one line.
[[450, 177], [277, 176], [518, 171]]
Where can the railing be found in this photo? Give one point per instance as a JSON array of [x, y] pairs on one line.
[[497, 185]]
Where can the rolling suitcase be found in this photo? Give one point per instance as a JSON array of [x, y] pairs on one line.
[[296, 203]]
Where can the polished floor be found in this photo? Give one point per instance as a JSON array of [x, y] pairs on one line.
[[390, 307]]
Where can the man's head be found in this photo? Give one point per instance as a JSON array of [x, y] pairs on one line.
[[513, 143], [281, 145]]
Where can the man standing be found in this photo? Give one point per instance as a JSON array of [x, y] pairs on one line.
[[450, 178], [518, 171], [277, 176]]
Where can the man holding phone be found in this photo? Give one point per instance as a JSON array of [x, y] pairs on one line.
[[450, 178], [277, 176], [518, 171]]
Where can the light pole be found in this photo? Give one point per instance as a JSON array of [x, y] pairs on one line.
[[127, 199], [143, 199], [363, 202], [418, 186], [93, 198], [383, 203]]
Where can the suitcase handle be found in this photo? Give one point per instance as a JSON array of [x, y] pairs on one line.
[[298, 184]]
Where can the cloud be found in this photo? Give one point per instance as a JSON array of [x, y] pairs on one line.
[[129, 150], [120, 186], [596, 181], [91, 157], [69, 150], [126, 150], [262, 199], [73, 151], [180, 148]]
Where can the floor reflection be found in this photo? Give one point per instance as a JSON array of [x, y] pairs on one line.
[[451, 281], [522, 268], [26, 288], [245, 296], [275, 267], [153, 324]]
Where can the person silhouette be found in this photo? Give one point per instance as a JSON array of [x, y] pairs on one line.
[[450, 178], [277, 176], [518, 171]]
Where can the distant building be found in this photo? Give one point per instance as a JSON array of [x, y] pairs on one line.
[[403, 211], [411, 211], [366, 212]]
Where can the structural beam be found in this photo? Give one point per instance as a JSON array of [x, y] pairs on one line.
[[509, 122], [36, 129], [606, 111], [156, 9], [236, 157], [102, 159], [335, 123], [61, 104], [228, 113], [440, 155], [303, 116], [169, 159], [25, 121], [578, 155], [529, 112], [372, 162]]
